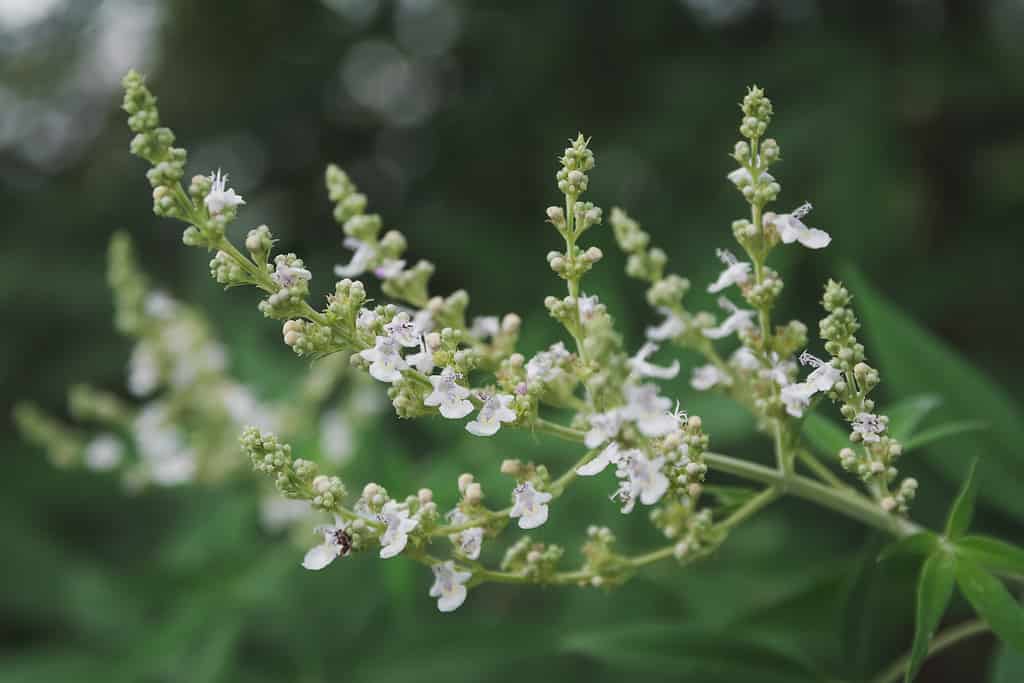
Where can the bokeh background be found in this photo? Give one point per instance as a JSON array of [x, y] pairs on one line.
[[901, 121]]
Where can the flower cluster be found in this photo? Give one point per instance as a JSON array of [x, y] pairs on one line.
[[435, 362], [185, 412]]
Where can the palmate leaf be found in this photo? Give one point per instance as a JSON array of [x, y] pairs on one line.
[[962, 511], [934, 590], [913, 360], [992, 554], [918, 544], [825, 434], [993, 603]]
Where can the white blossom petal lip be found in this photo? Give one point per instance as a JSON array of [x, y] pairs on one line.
[[363, 255], [422, 360], [640, 367], [824, 376], [399, 524], [403, 330], [221, 197], [289, 276], [869, 426], [744, 359], [707, 376], [603, 426], [104, 453], [791, 228], [386, 363], [739, 319], [449, 396], [336, 544], [608, 456], [586, 307], [366, 318], [546, 365], [796, 397], [389, 269], [648, 410], [647, 483], [468, 541], [781, 369], [449, 586], [485, 327], [495, 410], [670, 328], [530, 507], [741, 177], [735, 273]]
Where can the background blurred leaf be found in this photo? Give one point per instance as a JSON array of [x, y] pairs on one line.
[[1008, 666], [907, 414], [913, 360], [992, 553], [825, 434]]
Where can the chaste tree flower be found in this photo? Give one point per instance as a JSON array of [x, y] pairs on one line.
[[530, 506]]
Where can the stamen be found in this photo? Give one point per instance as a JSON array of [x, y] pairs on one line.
[[801, 211], [810, 359]]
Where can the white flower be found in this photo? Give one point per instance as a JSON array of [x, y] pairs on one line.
[[104, 452], [739, 319], [361, 259], [781, 369], [389, 269], [289, 276], [366, 318], [278, 512], [791, 228], [403, 330], [336, 437], [796, 397], [219, 197], [639, 367], [586, 307], [468, 541], [394, 539], [160, 305], [869, 426], [707, 376], [386, 363], [824, 376], [337, 543], [545, 366], [449, 586], [735, 273], [642, 479], [450, 396], [486, 326], [610, 455], [744, 359], [422, 360], [167, 458], [143, 370], [670, 328], [423, 320], [603, 426], [494, 411], [530, 507], [648, 410]]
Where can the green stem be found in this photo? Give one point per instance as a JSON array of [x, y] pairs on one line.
[[819, 469], [749, 508], [943, 640], [843, 501]]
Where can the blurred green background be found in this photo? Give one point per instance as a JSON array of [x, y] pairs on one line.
[[900, 121]]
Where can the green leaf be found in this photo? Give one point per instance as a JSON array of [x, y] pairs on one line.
[[1008, 666], [912, 360], [963, 507], [943, 431], [992, 553], [905, 416], [658, 647], [992, 601], [934, 589], [825, 435], [918, 544]]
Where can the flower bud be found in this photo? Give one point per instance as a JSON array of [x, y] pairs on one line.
[[474, 493], [465, 480], [425, 496]]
